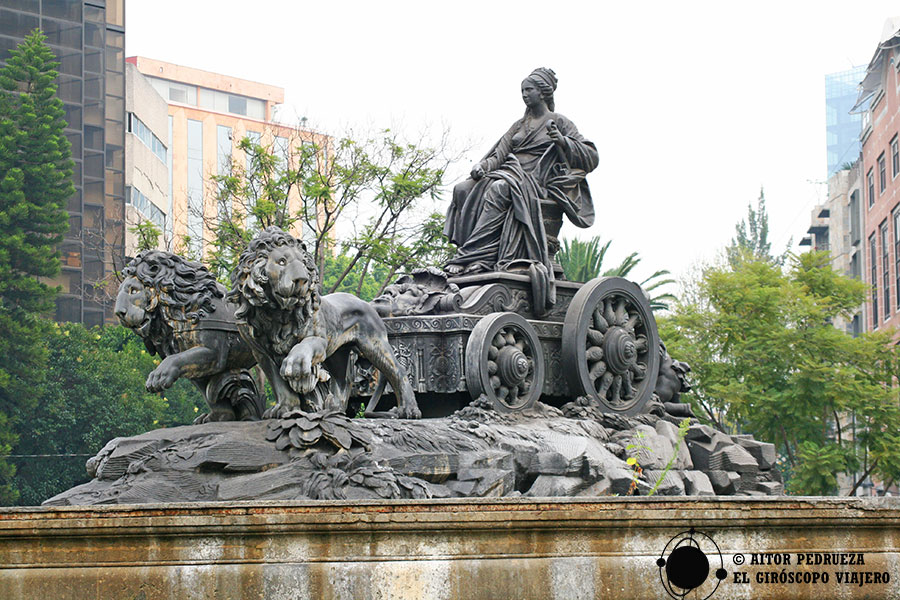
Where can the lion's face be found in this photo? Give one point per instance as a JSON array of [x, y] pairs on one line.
[[288, 276], [135, 304]]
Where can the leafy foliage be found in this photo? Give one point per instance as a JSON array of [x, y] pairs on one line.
[[373, 187], [35, 183], [96, 392], [766, 360], [583, 261], [751, 239], [148, 235]]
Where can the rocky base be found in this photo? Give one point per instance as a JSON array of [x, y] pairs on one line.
[[477, 452]]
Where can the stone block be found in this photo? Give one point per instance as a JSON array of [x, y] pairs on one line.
[[670, 432], [548, 463], [460, 488], [435, 467], [619, 479], [555, 485], [724, 483], [733, 458], [671, 484], [487, 459], [762, 452], [241, 456], [488, 482], [770, 488], [651, 449], [258, 485], [697, 483], [495, 483]]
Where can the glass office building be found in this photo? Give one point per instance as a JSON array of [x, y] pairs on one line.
[[88, 37], [841, 128]]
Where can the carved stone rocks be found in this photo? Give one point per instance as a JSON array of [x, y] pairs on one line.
[[477, 452]]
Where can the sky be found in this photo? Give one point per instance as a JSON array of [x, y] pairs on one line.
[[693, 106]]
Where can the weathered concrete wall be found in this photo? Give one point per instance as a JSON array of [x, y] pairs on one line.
[[566, 549]]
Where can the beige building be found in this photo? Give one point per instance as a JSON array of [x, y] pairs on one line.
[[146, 158], [206, 117], [837, 226]]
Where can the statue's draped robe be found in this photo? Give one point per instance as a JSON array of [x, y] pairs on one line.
[[497, 220]]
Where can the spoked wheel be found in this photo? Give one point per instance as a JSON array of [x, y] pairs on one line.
[[610, 346], [504, 361]]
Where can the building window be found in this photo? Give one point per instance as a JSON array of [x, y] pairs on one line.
[[896, 217], [150, 211], [882, 174], [895, 157], [870, 183], [149, 139], [855, 234], [231, 103], [195, 188], [873, 262], [885, 268]]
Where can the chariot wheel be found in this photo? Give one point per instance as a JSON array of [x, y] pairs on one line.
[[610, 345], [504, 361]]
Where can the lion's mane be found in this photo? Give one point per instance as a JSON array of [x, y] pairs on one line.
[[250, 290], [186, 288]]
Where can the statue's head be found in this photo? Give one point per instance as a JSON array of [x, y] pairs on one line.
[[545, 81], [165, 285], [275, 271]]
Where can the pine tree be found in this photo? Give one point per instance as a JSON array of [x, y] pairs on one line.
[[752, 236], [35, 184]]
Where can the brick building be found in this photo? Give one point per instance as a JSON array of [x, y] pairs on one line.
[[880, 182]]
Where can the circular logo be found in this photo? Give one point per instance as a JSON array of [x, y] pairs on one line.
[[687, 565]]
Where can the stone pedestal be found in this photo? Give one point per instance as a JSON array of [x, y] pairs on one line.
[[521, 548]]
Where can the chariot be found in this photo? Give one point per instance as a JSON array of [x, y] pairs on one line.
[[482, 336]]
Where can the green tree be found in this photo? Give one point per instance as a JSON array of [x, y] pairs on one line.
[[752, 236], [148, 235], [35, 184], [583, 261], [766, 360], [372, 186], [96, 393]]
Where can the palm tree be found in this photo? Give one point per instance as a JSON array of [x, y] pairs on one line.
[[583, 261]]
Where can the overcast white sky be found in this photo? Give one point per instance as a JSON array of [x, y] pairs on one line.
[[692, 105]]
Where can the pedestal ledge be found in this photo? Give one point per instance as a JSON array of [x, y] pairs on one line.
[[450, 548]]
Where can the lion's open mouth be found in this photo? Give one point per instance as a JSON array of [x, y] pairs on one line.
[[286, 302], [143, 329]]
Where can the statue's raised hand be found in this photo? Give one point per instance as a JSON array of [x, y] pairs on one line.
[[554, 133]]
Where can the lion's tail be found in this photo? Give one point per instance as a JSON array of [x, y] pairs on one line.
[[380, 385]]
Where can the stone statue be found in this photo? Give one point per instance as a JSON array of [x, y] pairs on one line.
[[178, 309], [306, 343], [497, 217]]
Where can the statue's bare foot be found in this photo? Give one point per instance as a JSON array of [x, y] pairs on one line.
[[454, 269]]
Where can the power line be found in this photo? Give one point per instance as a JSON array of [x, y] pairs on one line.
[[46, 455]]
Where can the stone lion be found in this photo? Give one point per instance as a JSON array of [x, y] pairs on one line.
[[178, 309], [306, 343]]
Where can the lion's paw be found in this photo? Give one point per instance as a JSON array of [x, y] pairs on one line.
[[274, 412], [162, 377], [407, 412]]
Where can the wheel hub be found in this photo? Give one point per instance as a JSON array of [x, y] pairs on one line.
[[512, 364], [619, 349]]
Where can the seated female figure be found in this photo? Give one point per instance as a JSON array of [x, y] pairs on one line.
[[495, 216]]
